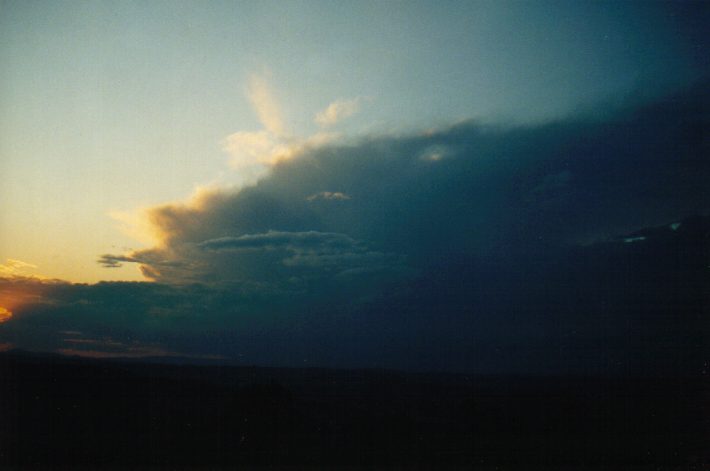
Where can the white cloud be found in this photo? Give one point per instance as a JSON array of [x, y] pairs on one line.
[[253, 152], [247, 148], [265, 105], [337, 111]]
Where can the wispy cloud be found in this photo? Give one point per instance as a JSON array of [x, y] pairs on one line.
[[328, 195], [252, 153], [338, 111], [13, 267], [265, 105], [107, 347], [116, 261]]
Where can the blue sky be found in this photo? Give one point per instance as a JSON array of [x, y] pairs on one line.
[[108, 107]]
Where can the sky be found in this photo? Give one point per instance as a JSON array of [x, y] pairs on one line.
[[109, 107], [279, 156]]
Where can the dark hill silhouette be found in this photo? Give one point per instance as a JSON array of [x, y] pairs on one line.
[[58, 410]]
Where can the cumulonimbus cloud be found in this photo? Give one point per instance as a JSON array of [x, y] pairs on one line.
[[498, 190], [431, 262]]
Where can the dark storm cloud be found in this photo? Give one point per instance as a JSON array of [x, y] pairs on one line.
[[147, 257], [115, 261], [611, 308], [127, 317], [474, 189], [463, 248]]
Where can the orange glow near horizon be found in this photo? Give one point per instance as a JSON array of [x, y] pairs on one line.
[[14, 298], [5, 315]]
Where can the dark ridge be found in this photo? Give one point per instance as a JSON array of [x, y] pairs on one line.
[[77, 412]]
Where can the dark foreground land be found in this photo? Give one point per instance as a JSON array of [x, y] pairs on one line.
[[58, 411]]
